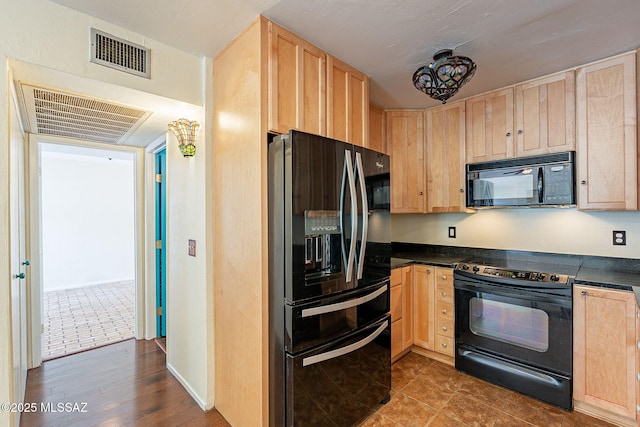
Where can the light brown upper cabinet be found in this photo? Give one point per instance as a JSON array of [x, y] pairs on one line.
[[545, 115], [377, 129], [445, 142], [296, 83], [347, 103], [607, 173], [489, 126], [405, 139]]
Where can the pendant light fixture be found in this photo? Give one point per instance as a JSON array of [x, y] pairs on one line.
[[444, 76]]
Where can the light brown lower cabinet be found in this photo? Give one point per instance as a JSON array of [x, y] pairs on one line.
[[423, 308], [604, 355], [401, 310]]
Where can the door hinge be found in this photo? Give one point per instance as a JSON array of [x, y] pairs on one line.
[[158, 177], [158, 244], [159, 311]]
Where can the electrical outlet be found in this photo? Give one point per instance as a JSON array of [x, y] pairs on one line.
[[619, 237], [452, 232], [192, 247]]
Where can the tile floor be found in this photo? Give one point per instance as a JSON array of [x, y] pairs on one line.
[[429, 393], [82, 318]]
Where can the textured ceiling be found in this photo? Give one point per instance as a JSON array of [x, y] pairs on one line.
[[510, 40]]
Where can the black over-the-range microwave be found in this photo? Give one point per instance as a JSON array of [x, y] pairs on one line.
[[537, 181]]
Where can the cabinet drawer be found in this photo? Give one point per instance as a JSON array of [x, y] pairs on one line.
[[395, 297], [444, 326], [445, 345], [444, 276], [444, 293], [444, 309]]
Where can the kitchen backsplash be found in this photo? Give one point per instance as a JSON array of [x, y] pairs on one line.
[[557, 230]]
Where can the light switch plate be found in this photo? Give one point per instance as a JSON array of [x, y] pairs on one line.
[[192, 247], [452, 232]]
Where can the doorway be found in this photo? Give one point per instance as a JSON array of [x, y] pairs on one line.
[[161, 243], [87, 236]]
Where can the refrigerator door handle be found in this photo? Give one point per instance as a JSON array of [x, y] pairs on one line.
[[308, 312], [347, 178], [346, 349], [365, 213]]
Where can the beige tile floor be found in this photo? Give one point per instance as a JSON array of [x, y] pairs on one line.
[[82, 318], [429, 393]]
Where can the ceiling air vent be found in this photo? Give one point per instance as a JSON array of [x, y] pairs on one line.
[[72, 116], [114, 52]]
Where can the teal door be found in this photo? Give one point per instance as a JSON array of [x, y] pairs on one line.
[[161, 244]]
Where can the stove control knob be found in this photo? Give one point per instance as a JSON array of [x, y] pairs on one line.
[[554, 278], [476, 268], [540, 276], [465, 267]]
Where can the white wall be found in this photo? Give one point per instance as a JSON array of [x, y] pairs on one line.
[[48, 35], [566, 231], [88, 217]]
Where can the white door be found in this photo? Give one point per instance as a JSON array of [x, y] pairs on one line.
[[19, 263]]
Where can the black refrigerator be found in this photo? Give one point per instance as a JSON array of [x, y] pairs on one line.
[[329, 274]]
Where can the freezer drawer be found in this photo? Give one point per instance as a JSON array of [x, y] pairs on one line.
[[322, 320], [340, 383]]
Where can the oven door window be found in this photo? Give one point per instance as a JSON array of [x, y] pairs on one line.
[[521, 326]]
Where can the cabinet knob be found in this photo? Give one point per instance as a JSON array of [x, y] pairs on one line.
[[584, 293], [462, 190], [444, 328], [583, 182], [444, 311], [444, 345], [428, 271], [421, 193], [444, 277], [508, 134], [520, 131], [444, 294], [19, 276]]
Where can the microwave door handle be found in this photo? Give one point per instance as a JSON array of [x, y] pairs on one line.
[[541, 184]]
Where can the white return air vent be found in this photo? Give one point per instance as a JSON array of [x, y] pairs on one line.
[[66, 115], [119, 54]]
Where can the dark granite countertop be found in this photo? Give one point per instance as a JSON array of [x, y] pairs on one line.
[[615, 273]]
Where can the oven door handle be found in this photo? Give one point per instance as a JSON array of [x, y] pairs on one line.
[[346, 349], [324, 309], [541, 185], [488, 288]]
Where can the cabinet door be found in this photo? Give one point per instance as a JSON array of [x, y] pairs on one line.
[[405, 139], [296, 76], [607, 175], [546, 115], [489, 126], [423, 307], [407, 306], [445, 141], [377, 129], [347, 103], [605, 349]]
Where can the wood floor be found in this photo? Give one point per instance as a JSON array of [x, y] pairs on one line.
[[123, 384]]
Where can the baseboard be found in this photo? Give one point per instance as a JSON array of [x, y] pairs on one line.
[[187, 387], [447, 360], [603, 415]]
